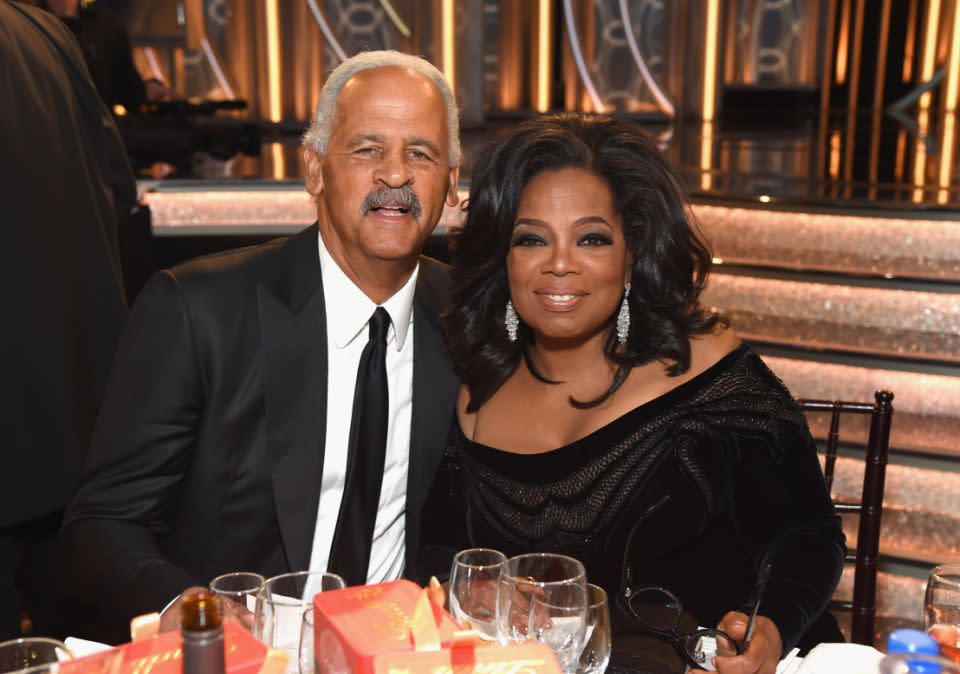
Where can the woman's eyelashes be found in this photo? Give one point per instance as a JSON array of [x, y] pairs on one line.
[[595, 239], [589, 240], [527, 239]]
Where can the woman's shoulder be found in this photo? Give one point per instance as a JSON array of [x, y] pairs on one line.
[[707, 350], [709, 354]]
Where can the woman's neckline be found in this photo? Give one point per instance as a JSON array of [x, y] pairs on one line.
[[643, 408]]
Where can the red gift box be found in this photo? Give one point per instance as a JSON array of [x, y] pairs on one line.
[[162, 654], [393, 628]]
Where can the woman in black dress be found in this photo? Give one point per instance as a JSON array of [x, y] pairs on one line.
[[605, 414]]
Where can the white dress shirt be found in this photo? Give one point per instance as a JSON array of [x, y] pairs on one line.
[[348, 312]]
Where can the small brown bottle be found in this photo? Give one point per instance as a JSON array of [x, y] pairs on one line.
[[201, 623]]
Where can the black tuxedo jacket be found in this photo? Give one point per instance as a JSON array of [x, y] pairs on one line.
[[208, 454]]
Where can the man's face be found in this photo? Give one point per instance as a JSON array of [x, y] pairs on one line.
[[381, 186]]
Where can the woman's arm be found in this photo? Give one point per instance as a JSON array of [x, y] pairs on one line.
[[783, 513]]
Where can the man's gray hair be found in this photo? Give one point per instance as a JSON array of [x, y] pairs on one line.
[[318, 134]]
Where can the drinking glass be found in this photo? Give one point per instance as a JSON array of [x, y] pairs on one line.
[[241, 588], [596, 640], [473, 589], [35, 654], [543, 597], [941, 610], [306, 643], [281, 603]]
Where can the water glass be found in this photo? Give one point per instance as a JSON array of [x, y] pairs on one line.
[[281, 603], [473, 589], [543, 597], [597, 642], [560, 623], [241, 588], [35, 654], [306, 643], [941, 610]]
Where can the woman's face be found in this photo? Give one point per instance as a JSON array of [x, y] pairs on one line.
[[568, 260]]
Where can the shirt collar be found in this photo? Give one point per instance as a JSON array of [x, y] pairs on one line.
[[349, 309]]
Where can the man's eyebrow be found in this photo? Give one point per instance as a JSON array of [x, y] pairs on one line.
[[365, 138]]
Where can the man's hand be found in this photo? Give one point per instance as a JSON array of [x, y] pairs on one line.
[[762, 653], [170, 617]]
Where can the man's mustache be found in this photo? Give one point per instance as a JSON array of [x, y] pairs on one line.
[[403, 197]]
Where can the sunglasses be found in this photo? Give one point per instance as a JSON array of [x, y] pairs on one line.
[[657, 610]]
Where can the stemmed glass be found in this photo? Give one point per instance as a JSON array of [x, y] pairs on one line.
[[473, 589], [281, 604], [596, 641], [36, 654], [941, 609], [241, 588], [543, 597], [306, 643]]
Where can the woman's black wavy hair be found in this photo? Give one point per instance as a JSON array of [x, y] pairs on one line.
[[670, 265]]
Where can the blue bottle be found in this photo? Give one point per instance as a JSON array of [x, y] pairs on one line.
[[908, 641]]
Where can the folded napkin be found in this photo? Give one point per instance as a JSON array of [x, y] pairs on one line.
[[82, 648], [841, 659]]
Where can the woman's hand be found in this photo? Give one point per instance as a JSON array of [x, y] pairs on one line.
[[762, 653]]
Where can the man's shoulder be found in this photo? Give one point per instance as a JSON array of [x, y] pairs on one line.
[[434, 272], [232, 271], [229, 265], [434, 285]]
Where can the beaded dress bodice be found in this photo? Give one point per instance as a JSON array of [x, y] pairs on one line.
[[694, 486]]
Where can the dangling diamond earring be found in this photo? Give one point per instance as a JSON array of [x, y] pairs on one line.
[[512, 321], [623, 317]]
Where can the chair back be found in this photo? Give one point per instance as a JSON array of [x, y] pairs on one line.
[[870, 506]]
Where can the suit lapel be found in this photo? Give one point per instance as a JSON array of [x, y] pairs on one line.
[[434, 396], [294, 347]]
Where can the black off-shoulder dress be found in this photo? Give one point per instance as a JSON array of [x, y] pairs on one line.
[[706, 483]]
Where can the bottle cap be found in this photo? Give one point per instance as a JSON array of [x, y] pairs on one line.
[[911, 641], [201, 611]]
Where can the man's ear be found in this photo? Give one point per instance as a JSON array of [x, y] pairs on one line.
[[313, 176], [453, 198]]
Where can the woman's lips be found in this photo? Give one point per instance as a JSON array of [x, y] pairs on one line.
[[560, 300]]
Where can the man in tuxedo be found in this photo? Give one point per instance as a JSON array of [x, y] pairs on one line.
[[283, 407], [64, 183]]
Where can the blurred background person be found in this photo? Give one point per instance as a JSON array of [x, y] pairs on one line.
[[64, 182], [106, 50]]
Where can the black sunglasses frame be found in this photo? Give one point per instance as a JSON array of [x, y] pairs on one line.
[[673, 635]]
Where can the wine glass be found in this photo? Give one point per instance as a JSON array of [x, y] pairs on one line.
[[543, 597], [306, 643], [560, 623], [596, 640], [941, 609], [281, 603], [241, 588], [473, 589], [36, 654]]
